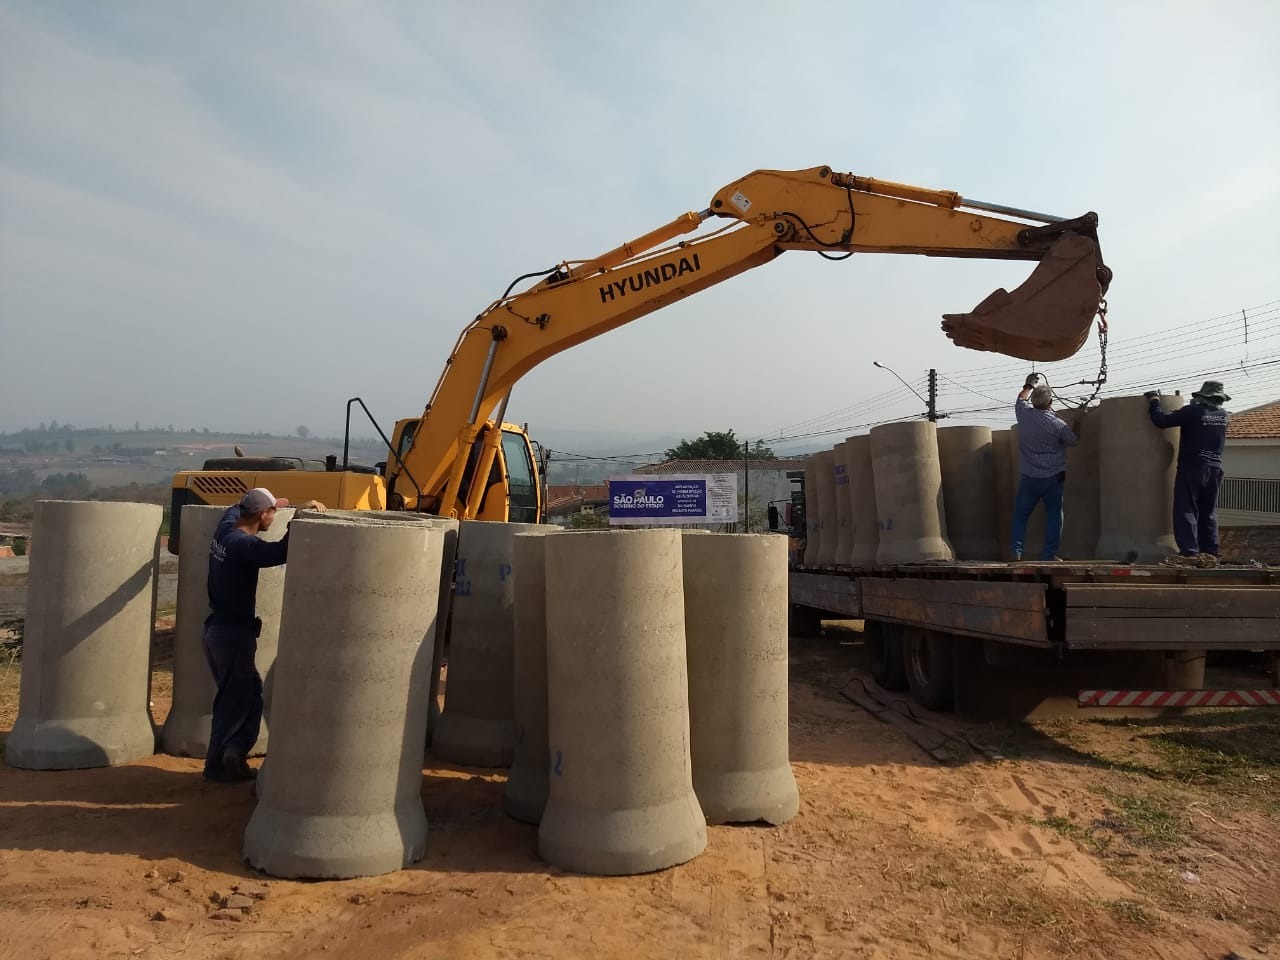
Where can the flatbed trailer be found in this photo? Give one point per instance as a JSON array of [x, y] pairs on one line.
[[929, 626]]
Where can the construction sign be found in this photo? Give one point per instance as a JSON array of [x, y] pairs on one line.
[[676, 498]]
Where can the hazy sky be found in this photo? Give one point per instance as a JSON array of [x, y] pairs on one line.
[[238, 215]]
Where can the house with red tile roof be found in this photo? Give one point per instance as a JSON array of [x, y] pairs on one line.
[[1251, 463]]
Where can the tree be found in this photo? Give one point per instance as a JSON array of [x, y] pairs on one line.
[[714, 445], [69, 444], [303, 432], [589, 520]]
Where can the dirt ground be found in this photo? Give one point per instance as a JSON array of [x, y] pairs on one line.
[[1092, 839]]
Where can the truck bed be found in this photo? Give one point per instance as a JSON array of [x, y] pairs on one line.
[[1065, 605]]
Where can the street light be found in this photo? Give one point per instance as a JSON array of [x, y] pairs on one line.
[[931, 405]]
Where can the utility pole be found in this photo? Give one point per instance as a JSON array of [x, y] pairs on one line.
[[932, 403], [746, 486]]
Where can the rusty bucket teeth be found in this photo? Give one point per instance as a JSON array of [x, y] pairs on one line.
[[1048, 317]]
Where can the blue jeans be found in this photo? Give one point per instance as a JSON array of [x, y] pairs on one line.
[[1031, 490], [237, 706]]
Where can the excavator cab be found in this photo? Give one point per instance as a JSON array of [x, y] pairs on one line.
[[512, 491]]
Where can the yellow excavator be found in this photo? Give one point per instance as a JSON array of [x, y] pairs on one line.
[[461, 459]]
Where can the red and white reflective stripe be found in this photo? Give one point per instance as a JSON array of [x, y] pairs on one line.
[[1179, 698]]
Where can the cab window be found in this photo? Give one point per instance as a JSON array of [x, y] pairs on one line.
[[523, 503]]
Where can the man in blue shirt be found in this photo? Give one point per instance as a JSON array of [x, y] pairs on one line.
[[1195, 488], [236, 554], [1042, 466]]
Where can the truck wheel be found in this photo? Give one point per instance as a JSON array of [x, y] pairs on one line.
[[884, 654], [804, 621], [930, 667]]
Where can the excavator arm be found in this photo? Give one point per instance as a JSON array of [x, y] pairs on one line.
[[768, 212]]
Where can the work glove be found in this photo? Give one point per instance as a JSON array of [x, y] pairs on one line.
[[1151, 396], [1032, 380]]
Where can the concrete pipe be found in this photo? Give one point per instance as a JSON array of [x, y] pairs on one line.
[[86, 663], [621, 794], [1033, 542], [269, 602], [828, 523], [843, 553], [968, 481], [1137, 463], [1001, 461], [862, 497], [1081, 503], [908, 478], [476, 728], [342, 798], [449, 527], [526, 792], [812, 515], [735, 608], [186, 728]]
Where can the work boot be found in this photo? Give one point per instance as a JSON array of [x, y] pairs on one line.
[[234, 770], [1207, 561]]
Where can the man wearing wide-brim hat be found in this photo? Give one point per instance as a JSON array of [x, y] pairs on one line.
[[1195, 491]]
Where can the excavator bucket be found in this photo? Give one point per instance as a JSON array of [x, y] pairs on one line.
[[1047, 318]]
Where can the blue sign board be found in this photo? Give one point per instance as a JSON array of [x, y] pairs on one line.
[[674, 498]]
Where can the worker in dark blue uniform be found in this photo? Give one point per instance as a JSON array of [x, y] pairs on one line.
[[1195, 490], [231, 630]]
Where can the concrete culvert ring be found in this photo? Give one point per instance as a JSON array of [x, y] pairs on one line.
[[930, 668]]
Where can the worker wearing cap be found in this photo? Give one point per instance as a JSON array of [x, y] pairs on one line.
[[1195, 488], [236, 554], [1042, 465]]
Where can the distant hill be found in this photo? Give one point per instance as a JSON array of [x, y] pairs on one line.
[[110, 457]]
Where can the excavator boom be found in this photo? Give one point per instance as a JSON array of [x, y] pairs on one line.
[[768, 212]]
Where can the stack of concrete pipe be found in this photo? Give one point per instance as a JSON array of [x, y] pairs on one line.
[[911, 493], [86, 664], [684, 720]]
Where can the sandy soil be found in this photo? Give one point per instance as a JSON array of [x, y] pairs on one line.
[[1094, 840]]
